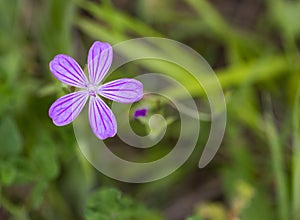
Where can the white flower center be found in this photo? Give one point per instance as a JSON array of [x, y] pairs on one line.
[[92, 89]]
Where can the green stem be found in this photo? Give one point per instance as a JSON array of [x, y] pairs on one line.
[[296, 158], [278, 168]]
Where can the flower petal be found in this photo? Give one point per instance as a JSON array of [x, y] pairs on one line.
[[65, 109], [102, 119], [99, 61], [122, 90], [67, 70]]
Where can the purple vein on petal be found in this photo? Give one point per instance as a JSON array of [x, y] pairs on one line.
[[114, 96], [71, 82], [78, 70], [72, 96], [97, 67], [105, 108], [65, 109], [122, 90], [101, 118], [99, 61], [75, 82], [99, 112], [114, 84], [71, 101], [101, 73], [93, 114], [82, 102], [68, 71]]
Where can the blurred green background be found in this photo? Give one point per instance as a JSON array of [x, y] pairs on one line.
[[253, 46]]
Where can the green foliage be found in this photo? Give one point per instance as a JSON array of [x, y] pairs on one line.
[[43, 174], [109, 203], [296, 161], [11, 140]]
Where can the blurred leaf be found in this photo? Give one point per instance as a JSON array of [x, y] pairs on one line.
[[263, 69], [8, 18], [38, 194], [290, 16], [286, 15], [96, 31], [44, 158], [240, 44], [149, 9], [7, 173], [249, 114], [25, 170], [117, 21], [109, 204], [211, 17], [49, 90], [10, 138], [10, 66], [54, 33]]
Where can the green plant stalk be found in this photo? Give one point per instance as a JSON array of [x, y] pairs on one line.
[[269, 68], [211, 17], [117, 20], [245, 73], [220, 28], [296, 159], [278, 168]]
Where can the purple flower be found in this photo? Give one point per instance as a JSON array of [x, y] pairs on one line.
[[140, 113], [102, 120]]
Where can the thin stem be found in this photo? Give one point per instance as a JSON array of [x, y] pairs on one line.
[[278, 168], [296, 158]]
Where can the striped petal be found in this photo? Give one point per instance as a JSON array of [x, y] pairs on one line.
[[102, 119], [122, 90], [67, 70], [65, 109], [99, 61]]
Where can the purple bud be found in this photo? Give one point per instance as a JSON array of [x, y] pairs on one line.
[[140, 113]]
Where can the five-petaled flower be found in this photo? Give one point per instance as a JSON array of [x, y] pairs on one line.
[[102, 120]]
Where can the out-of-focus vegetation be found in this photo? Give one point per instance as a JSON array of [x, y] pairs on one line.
[[253, 47]]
